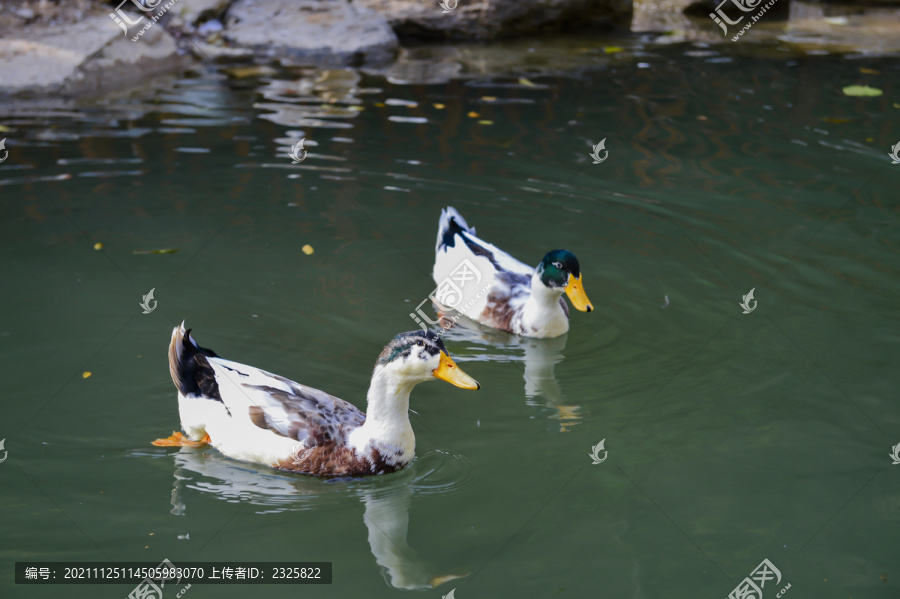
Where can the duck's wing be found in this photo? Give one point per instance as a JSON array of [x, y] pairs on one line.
[[285, 407]]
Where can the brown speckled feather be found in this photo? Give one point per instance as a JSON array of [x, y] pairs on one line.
[[332, 459], [503, 303]]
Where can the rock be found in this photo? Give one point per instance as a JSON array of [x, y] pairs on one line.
[[88, 56], [474, 20], [317, 31], [25, 13], [192, 11]]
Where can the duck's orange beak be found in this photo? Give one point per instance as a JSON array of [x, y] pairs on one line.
[[575, 291], [450, 372]]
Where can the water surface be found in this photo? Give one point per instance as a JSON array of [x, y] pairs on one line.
[[731, 437]]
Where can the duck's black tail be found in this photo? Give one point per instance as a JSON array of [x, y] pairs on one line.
[[450, 224], [190, 371]]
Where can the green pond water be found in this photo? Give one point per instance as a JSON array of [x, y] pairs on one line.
[[731, 438]]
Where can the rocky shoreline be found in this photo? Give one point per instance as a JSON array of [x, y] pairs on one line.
[[83, 47]]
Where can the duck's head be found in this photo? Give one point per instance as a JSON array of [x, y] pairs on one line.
[[420, 356], [559, 270]]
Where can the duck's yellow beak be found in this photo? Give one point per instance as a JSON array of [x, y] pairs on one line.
[[450, 372], [575, 291]]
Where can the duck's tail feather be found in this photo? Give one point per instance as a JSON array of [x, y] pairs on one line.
[[190, 371], [450, 224]]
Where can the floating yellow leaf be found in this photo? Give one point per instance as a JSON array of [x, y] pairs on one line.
[[870, 71], [612, 49], [489, 98], [307, 249], [861, 90], [380, 104], [526, 82], [85, 374], [837, 121], [163, 251], [251, 71], [98, 246], [473, 115], [485, 122], [357, 108], [870, 139], [5, 129], [439, 106], [896, 105]]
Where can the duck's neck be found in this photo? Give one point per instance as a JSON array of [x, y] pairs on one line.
[[387, 428], [543, 316]]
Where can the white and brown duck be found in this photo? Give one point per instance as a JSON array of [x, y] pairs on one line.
[[489, 286], [252, 415]]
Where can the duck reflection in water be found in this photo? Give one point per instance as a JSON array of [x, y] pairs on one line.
[[539, 357], [386, 503]]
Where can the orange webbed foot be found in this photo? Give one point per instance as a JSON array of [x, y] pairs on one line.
[[179, 440]]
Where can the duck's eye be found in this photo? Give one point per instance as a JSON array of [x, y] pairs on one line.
[[558, 265], [420, 344]]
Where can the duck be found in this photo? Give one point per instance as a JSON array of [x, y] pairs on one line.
[[487, 285], [255, 416]]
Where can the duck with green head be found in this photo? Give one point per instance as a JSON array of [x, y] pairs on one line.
[[252, 415], [493, 288]]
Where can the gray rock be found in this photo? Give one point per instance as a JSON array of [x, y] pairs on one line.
[[25, 13], [318, 31], [89, 56], [192, 11], [480, 20]]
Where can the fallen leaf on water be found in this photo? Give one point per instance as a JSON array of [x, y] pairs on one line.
[[307, 249], [489, 98], [85, 374], [164, 251], [612, 49], [526, 82], [870, 71], [473, 115], [5, 129], [98, 246], [485, 122], [380, 104], [896, 105], [252, 71], [438, 106], [861, 90], [837, 121], [870, 139]]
